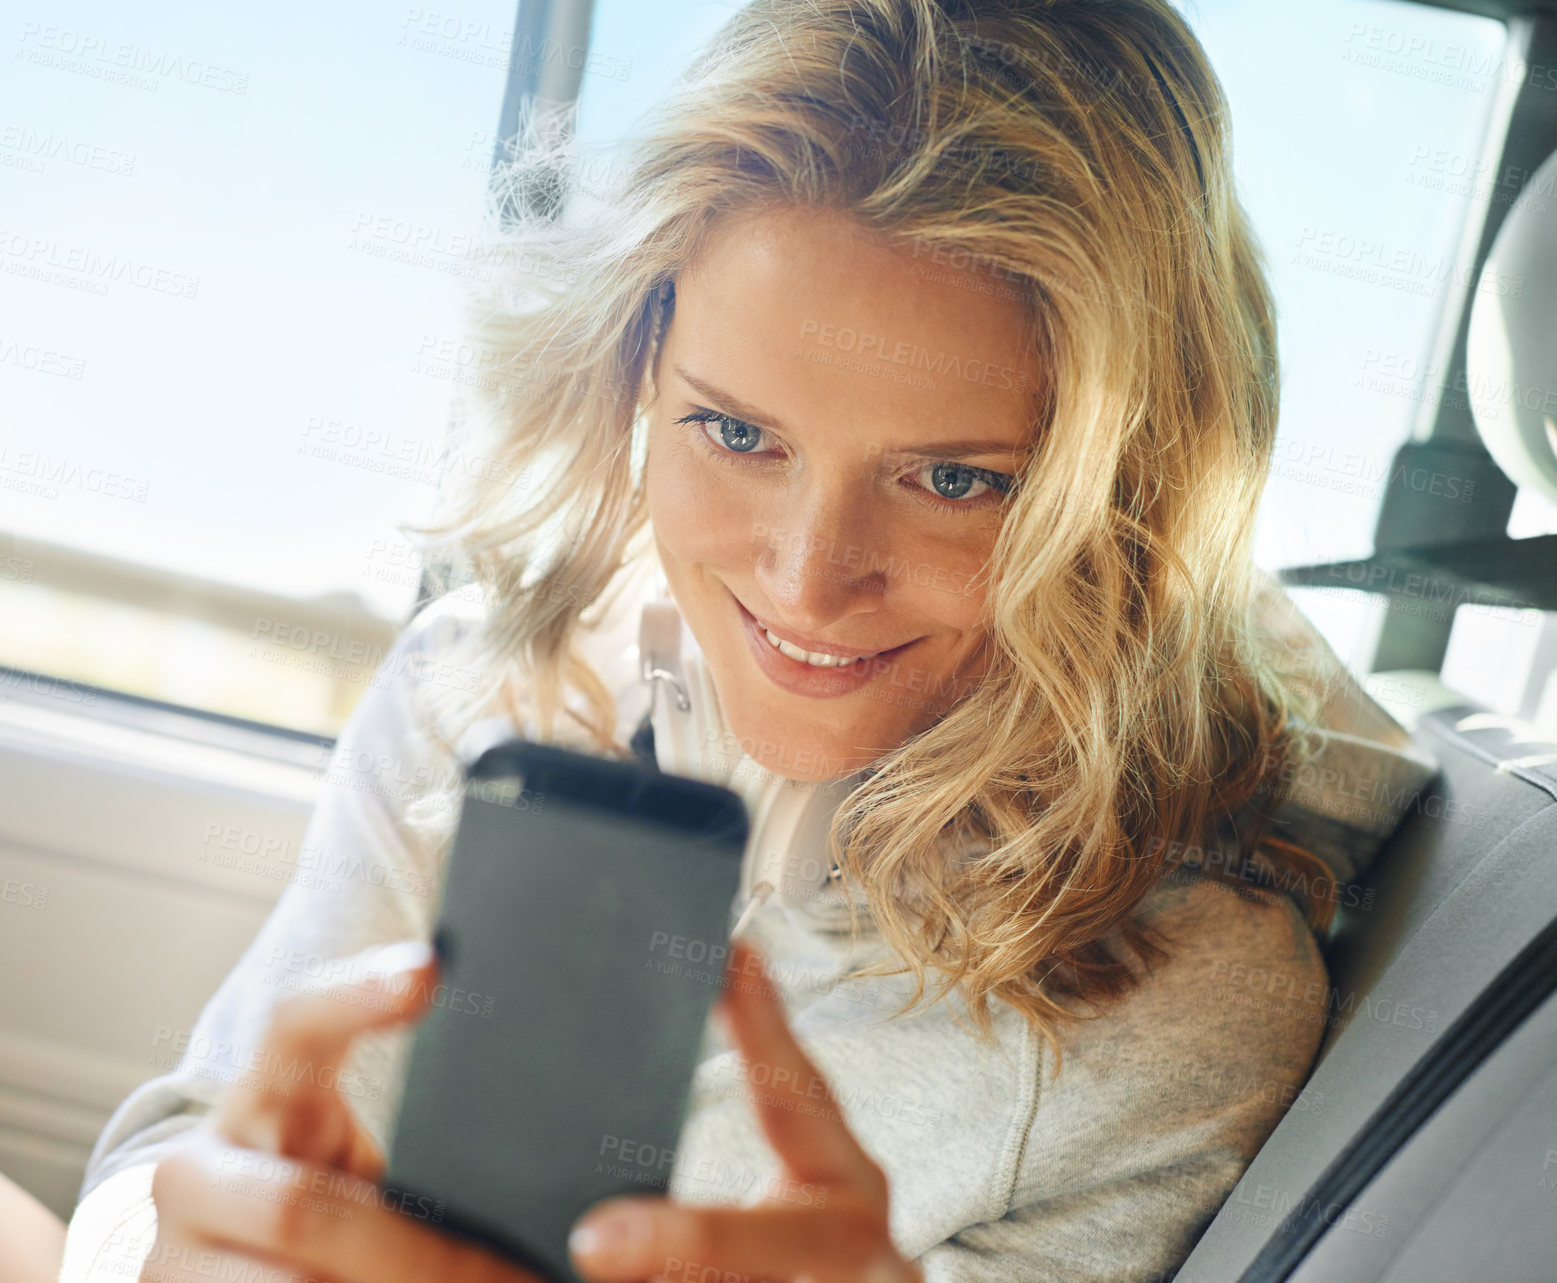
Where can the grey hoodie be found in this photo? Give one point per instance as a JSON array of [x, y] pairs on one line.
[[999, 1169]]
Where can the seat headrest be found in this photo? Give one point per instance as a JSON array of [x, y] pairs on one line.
[[1510, 352]]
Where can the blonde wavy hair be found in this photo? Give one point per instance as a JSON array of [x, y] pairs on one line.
[[1134, 704]]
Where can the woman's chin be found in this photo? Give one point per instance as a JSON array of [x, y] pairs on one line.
[[804, 754], [794, 764]]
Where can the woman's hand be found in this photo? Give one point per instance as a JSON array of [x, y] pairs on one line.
[[837, 1235], [282, 1175]]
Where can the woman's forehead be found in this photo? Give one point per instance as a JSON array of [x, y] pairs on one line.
[[809, 313]]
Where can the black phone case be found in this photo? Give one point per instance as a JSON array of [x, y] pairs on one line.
[[583, 933]]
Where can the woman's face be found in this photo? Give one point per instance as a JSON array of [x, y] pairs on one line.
[[836, 423]]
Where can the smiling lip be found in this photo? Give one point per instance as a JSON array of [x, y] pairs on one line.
[[800, 678], [815, 647]]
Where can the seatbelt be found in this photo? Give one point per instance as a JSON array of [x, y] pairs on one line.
[[1519, 989]]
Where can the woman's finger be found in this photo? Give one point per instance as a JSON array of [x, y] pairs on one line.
[[637, 1238], [795, 1106], [323, 1224], [287, 1100]]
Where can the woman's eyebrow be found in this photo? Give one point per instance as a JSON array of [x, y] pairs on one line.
[[733, 404], [958, 449], [961, 449]]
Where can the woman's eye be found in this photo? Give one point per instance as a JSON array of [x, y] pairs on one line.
[[738, 436], [958, 481], [734, 435], [952, 485]]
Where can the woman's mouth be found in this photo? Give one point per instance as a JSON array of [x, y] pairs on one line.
[[817, 659], [820, 670]]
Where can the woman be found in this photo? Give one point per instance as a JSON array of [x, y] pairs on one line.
[[924, 362]]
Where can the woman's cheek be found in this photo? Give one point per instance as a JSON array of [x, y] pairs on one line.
[[697, 514], [946, 577]]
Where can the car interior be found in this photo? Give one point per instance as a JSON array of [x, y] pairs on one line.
[[144, 836]]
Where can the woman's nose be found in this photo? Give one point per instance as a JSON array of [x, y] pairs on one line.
[[818, 560]]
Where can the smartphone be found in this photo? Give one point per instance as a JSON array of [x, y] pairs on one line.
[[583, 933]]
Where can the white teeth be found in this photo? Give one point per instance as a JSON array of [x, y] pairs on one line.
[[810, 657]]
